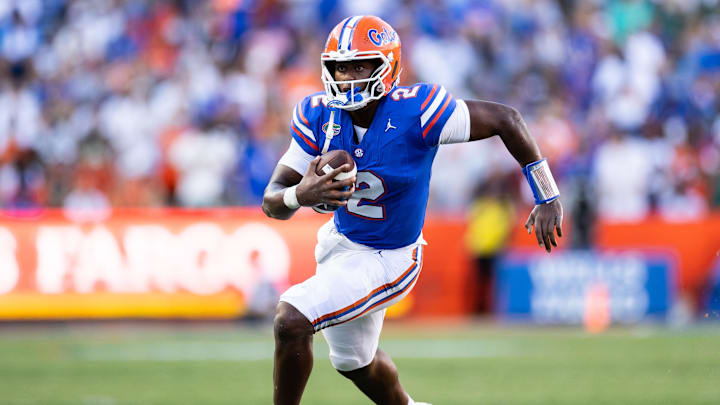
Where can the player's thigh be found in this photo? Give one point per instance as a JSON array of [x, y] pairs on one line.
[[337, 291], [374, 280], [353, 344], [352, 284]]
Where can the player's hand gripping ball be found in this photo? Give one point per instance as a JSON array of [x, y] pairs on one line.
[[328, 162]]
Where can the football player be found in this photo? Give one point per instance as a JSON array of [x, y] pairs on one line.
[[369, 255]]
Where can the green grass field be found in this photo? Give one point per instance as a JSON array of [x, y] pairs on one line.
[[445, 364]]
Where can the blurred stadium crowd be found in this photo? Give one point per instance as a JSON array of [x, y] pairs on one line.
[[150, 103]]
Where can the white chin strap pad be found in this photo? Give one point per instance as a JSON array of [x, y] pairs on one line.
[[351, 101]]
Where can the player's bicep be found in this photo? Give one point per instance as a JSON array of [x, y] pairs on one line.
[[487, 118]]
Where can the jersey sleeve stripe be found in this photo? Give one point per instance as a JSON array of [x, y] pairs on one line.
[[302, 116], [307, 141], [429, 97], [448, 99], [433, 107], [304, 129]]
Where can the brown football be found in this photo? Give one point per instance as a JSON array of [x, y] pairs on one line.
[[334, 159]]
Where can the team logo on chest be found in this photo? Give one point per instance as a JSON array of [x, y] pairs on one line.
[[359, 153], [336, 128]]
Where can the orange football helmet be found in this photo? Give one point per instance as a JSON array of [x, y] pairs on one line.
[[357, 38]]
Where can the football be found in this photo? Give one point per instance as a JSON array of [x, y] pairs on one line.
[[334, 159], [328, 162]]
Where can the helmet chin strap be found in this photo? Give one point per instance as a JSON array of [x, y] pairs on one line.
[[329, 132]]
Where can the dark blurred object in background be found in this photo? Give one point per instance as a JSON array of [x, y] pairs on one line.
[[583, 219]]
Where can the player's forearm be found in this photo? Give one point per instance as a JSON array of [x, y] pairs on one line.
[[273, 203], [517, 139]]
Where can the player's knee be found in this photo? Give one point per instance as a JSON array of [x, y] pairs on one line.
[[351, 365], [290, 324]]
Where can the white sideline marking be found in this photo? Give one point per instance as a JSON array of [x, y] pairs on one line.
[[263, 350]]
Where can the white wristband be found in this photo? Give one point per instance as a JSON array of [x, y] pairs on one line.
[[290, 198]]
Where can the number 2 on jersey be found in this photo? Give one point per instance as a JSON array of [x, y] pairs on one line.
[[370, 187], [403, 92]]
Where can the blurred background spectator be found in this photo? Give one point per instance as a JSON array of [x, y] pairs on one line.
[[144, 103], [490, 221]]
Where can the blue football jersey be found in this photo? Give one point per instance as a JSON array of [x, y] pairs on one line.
[[394, 160]]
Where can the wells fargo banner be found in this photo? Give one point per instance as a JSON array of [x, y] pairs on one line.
[[228, 263], [171, 263]]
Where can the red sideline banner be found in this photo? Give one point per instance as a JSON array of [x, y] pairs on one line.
[[172, 263], [220, 263]]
